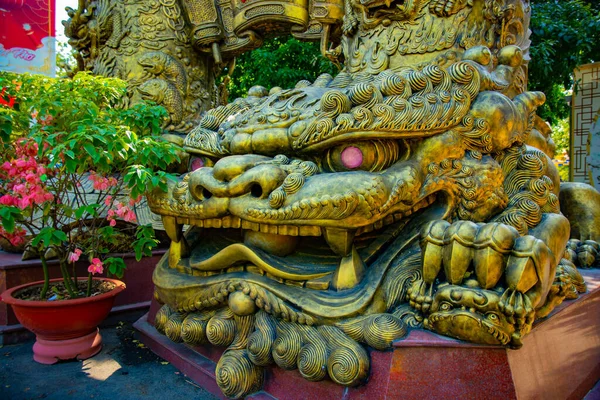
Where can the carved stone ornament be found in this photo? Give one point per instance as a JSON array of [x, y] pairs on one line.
[[415, 189]]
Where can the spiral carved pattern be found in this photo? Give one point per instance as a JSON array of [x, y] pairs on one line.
[[173, 327], [210, 121], [385, 115], [193, 329], [286, 347], [531, 162], [277, 198], [237, 376], [220, 329], [324, 126], [438, 76], [365, 94], [334, 103], [312, 360], [418, 81], [341, 80], [162, 317], [293, 182], [348, 363], [308, 168], [394, 85], [281, 159], [322, 80], [381, 330], [363, 116], [466, 74], [302, 84], [261, 340]]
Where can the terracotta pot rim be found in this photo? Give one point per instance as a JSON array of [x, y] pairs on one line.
[[7, 295]]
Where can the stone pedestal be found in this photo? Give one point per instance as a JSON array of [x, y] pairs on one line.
[[560, 359]]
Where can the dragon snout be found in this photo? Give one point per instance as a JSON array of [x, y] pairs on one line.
[[237, 176]]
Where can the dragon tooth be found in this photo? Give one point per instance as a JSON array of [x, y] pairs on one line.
[[339, 240], [309, 231], [178, 247], [350, 271], [226, 222], [172, 228]]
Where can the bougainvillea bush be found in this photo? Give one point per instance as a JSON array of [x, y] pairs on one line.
[[73, 162]]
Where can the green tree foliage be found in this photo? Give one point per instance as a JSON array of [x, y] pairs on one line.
[[278, 62], [565, 34]]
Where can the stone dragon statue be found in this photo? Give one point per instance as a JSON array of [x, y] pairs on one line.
[[414, 189]]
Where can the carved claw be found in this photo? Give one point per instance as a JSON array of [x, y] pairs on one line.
[[588, 253], [432, 245], [420, 296], [517, 307], [493, 242], [445, 8], [458, 250], [463, 244]]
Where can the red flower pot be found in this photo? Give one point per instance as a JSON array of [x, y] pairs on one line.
[[64, 329]]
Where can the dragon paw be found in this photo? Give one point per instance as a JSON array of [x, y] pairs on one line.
[[445, 8], [517, 307]]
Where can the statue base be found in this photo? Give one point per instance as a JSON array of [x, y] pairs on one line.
[[560, 358]]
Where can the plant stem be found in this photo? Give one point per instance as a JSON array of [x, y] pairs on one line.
[[67, 280], [89, 286], [46, 278], [75, 274]]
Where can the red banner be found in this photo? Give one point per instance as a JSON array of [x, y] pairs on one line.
[[27, 36]]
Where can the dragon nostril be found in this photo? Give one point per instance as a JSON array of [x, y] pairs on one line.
[[201, 193], [206, 193], [256, 190]]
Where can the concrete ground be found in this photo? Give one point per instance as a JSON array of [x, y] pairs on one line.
[[124, 369]]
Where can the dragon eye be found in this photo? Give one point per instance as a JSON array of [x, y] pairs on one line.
[[371, 156], [445, 306], [351, 157], [492, 317]]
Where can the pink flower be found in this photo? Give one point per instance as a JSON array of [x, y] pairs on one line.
[[17, 241], [123, 212], [113, 222], [46, 120], [16, 238], [31, 178], [7, 200], [133, 201], [101, 183], [108, 200], [96, 267], [74, 256]]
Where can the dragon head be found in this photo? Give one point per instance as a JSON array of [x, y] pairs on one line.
[[471, 315]]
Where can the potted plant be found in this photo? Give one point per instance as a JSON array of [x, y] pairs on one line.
[[75, 158]]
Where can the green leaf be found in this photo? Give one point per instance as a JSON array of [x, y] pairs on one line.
[[8, 215], [116, 266], [91, 150], [60, 235]]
